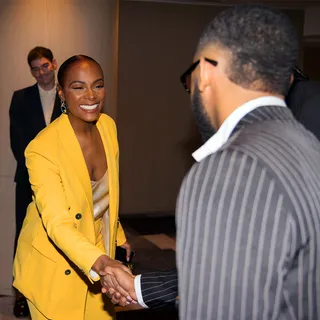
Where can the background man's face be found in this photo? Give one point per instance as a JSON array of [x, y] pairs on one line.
[[43, 70]]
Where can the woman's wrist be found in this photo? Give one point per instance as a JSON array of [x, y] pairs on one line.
[[100, 264]]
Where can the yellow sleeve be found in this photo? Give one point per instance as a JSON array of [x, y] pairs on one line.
[[49, 194], [121, 237]]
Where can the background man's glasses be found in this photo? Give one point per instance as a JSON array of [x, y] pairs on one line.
[[43, 68], [185, 79]]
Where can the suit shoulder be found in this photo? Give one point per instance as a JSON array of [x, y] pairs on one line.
[[272, 133], [108, 123], [106, 120], [274, 143], [25, 90], [21, 96]]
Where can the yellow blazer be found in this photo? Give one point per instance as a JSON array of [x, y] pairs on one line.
[[58, 245]]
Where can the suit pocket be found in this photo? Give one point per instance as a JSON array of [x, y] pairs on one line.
[[45, 246], [42, 280]]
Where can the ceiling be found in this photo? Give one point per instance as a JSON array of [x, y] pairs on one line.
[[279, 3]]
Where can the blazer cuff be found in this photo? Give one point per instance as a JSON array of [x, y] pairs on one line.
[[137, 289], [94, 276]]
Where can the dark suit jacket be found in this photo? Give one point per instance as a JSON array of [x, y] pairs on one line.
[[159, 288], [304, 101], [26, 121]]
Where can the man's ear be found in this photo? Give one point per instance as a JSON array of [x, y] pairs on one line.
[[205, 75], [291, 79]]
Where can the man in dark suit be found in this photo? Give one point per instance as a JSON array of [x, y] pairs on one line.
[[304, 101], [248, 221], [31, 109]]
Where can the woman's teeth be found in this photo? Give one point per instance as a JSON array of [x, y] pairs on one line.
[[89, 107]]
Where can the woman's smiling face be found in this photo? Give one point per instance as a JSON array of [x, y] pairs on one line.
[[83, 90]]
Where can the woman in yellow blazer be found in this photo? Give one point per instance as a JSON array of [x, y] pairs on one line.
[[71, 229]]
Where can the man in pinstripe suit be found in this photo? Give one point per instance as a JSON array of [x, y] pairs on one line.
[[248, 213]]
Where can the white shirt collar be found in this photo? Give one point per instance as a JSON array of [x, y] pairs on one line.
[[42, 91], [225, 130]]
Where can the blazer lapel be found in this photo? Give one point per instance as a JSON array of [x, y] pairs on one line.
[[75, 157], [36, 107], [74, 153], [113, 178], [71, 147]]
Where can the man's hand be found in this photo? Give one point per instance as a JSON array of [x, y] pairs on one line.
[[127, 246], [123, 292]]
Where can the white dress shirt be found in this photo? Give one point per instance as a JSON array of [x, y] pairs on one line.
[[225, 130], [216, 142], [47, 101]]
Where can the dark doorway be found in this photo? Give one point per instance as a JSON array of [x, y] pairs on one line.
[[311, 57]]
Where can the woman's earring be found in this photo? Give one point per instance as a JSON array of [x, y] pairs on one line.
[[64, 108]]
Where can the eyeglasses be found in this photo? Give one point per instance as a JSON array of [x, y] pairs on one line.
[[185, 79], [43, 68]]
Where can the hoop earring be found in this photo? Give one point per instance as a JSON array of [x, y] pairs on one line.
[[64, 108]]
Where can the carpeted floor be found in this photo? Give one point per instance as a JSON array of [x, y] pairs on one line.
[[153, 240]]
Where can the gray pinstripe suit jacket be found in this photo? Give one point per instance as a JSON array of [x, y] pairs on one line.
[[248, 224]]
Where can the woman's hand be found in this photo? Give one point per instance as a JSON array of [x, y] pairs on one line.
[[105, 265], [115, 278], [127, 246]]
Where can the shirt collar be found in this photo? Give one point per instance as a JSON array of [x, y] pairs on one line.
[[225, 130], [54, 89]]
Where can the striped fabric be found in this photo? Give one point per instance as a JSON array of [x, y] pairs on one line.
[[159, 288], [248, 224]]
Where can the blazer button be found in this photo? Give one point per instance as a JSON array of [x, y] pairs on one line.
[[67, 272], [78, 216]]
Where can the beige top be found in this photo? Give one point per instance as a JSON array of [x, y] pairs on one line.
[[47, 101], [100, 197]]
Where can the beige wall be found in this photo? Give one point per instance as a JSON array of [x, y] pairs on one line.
[[68, 27], [155, 124]]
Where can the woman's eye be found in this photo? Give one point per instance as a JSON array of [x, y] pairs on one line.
[[100, 86], [77, 88]]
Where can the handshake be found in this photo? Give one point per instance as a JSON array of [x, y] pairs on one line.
[[116, 280]]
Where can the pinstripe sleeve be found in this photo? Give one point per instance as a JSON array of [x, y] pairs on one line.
[[233, 235], [159, 288]]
